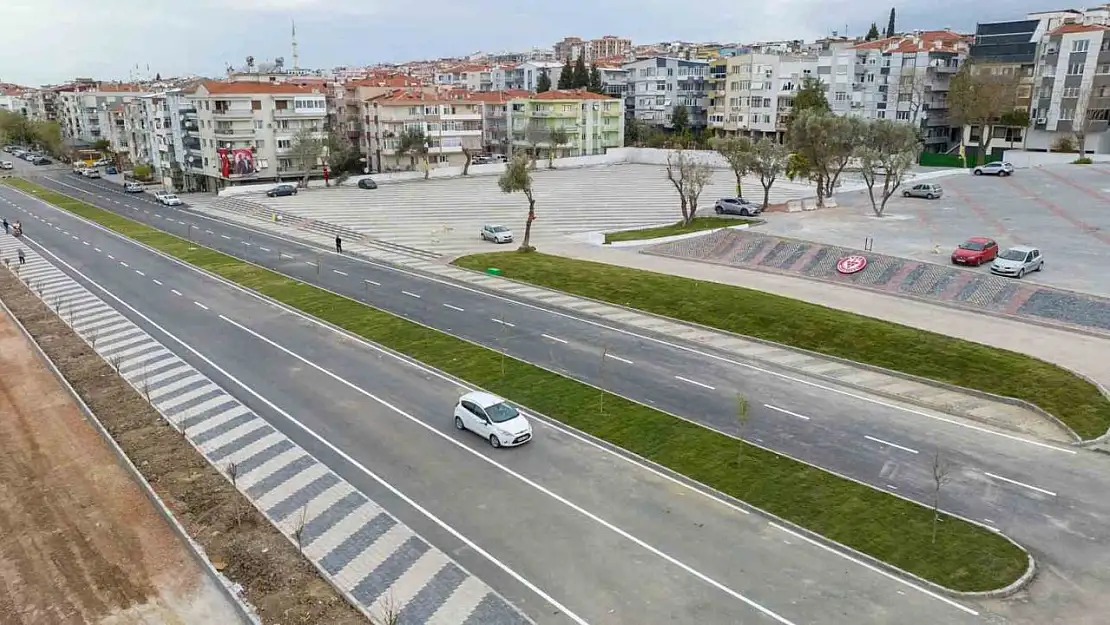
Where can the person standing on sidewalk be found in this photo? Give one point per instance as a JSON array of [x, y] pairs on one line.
[[22, 258], [5, 225], [338, 245]]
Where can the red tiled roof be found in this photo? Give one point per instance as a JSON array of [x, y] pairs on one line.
[[921, 42], [395, 81], [570, 94], [1071, 29], [498, 97], [403, 96], [118, 87], [243, 87]]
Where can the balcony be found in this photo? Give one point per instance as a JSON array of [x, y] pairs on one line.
[[234, 132], [293, 114], [461, 117], [233, 113], [945, 68]]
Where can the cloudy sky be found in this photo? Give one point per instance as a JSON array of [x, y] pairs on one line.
[[49, 41]]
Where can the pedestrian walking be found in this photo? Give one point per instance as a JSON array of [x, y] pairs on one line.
[[338, 245], [6, 225], [22, 258]]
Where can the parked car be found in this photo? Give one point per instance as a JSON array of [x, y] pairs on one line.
[[158, 195], [282, 190], [493, 419], [111, 170], [9, 148], [736, 206], [170, 199], [367, 183], [997, 168], [133, 187], [975, 251], [42, 160], [91, 173], [927, 190], [102, 163], [497, 234], [7, 165], [1018, 261]]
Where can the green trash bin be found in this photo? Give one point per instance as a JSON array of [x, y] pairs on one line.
[[493, 271]]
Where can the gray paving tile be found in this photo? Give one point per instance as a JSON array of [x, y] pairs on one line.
[[389, 571], [302, 497], [328, 518], [196, 401], [356, 543], [254, 435], [281, 476], [223, 428], [433, 595], [273, 451], [205, 415], [494, 610]]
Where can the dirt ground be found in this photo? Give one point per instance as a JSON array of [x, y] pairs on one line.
[[80, 542]]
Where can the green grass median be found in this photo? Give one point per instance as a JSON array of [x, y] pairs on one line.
[[1073, 400], [699, 224], [964, 556]]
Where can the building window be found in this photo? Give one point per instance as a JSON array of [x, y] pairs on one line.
[[880, 114], [284, 144], [256, 105], [841, 96], [1066, 114], [258, 124], [1103, 68], [842, 69], [259, 143], [903, 115], [1080, 45], [1075, 69], [1071, 92]]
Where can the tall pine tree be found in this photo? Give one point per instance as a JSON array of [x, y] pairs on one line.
[[543, 83], [595, 79], [872, 34], [581, 74], [566, 75], [890, 24]]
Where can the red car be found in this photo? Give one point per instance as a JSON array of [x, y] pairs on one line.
[[975, 251]]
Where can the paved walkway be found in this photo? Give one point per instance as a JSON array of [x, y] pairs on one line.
[[965, 287], [834, 371]]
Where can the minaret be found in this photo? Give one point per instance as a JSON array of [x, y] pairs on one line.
[[296, 63]]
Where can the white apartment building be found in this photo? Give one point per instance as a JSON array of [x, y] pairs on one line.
[[14, 101], [245, 130], [526, 75], [608, 46], [656, 85], [759, 92], [1072, 83], [82, 109], [449, 124]]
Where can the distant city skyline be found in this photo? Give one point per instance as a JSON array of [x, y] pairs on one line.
[[92, 41]]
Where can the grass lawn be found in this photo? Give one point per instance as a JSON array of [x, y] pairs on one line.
[[697, 225], [964, 557], [1073, 400]]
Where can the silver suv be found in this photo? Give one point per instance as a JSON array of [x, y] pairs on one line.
[[1018, 261], [927, 190]]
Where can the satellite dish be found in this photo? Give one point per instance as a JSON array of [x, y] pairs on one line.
[[279, 62], [250, 61]]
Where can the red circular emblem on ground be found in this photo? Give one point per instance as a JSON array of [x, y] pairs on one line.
[[851, 264]]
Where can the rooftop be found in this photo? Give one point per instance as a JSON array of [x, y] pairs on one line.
[[240, 87], [570, 94], [1071, 29], [922, 41]]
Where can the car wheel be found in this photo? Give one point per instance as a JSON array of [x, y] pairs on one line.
[[459, 423], [1021, 273], [905, 194], [744, 213], [718, 209], [978, 172], [1040, 266], [1003, 173], [494, 441], [930, 197]]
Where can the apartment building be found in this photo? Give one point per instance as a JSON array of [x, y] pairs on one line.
[[656, 85], [449, 124], [592, 49], [495, 129], [244, 130], [593, 122], [1072, 86], [754, 92], [14, 99], [84, 106], [526, 75], [614, 78], [1008, 48], [348, 104]]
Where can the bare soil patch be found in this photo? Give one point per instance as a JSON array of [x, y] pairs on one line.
[[92, 565]]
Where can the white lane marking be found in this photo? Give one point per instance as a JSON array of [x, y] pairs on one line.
[[175, 292], [372, 282], [157, 281], [309, 262], [892, 487], [84, 242], [342, 273], [112, 257], [785, 411], [871, 567], [225, 236], [554, 338], [201, 305], [504, 323], [694, 382], [889, 444], [513, 473], [97, 249], [157, 215], [124, 264], [245, 243], [554, 425], [453, 307], [264, 249], [1022, 484], [181, 222], [619, 359], [210, 232], [140, 273], [411, 294], [74, 237]]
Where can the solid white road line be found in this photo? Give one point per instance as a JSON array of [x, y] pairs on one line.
[[1022, 484], [694, 382], [342, 273], [618, 359], [411, 294], [871, 567], [175, 292], [453, 307], [554, 338], [889, 444], [519, 476], [201, 305], [785, 411]]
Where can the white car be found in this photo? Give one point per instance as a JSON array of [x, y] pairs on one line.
[[7, 165], [158, 195], [133, 187], [493, 419], [91, 173], [997, 168], [497, 234], [170, 199]]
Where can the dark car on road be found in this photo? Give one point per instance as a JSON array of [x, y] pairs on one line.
[[367, 183], [736, 206], [282, 190], [42, 160]]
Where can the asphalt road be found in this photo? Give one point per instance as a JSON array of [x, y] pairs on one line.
[[850, 434], [612, 540]]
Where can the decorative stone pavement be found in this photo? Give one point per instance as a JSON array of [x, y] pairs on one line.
[[966, 287]]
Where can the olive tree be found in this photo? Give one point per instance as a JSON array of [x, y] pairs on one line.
[[689, 177], [306, 150], [556, 138], [518, 178], [980, 95], [768, 161], [813, 139], [737, 152], [888, 150]]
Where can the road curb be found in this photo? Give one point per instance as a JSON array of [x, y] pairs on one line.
[[226, 586]]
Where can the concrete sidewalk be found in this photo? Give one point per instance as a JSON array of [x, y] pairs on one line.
[[891, 385]]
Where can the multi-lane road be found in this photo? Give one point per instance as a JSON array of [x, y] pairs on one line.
[[568, 522]]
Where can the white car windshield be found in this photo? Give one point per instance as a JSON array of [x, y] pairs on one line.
[[1013, 255], [498, 229], [500, 413]]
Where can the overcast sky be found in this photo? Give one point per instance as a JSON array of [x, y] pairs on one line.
[[50, 41]]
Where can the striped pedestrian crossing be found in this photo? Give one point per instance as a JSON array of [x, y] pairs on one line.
[[377, 562], [445, 215]]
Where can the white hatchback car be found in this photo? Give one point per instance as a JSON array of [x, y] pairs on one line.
[[170, 199], [497, 234], [493, 419]]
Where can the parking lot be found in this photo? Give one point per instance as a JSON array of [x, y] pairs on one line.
[[1063, 209]]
